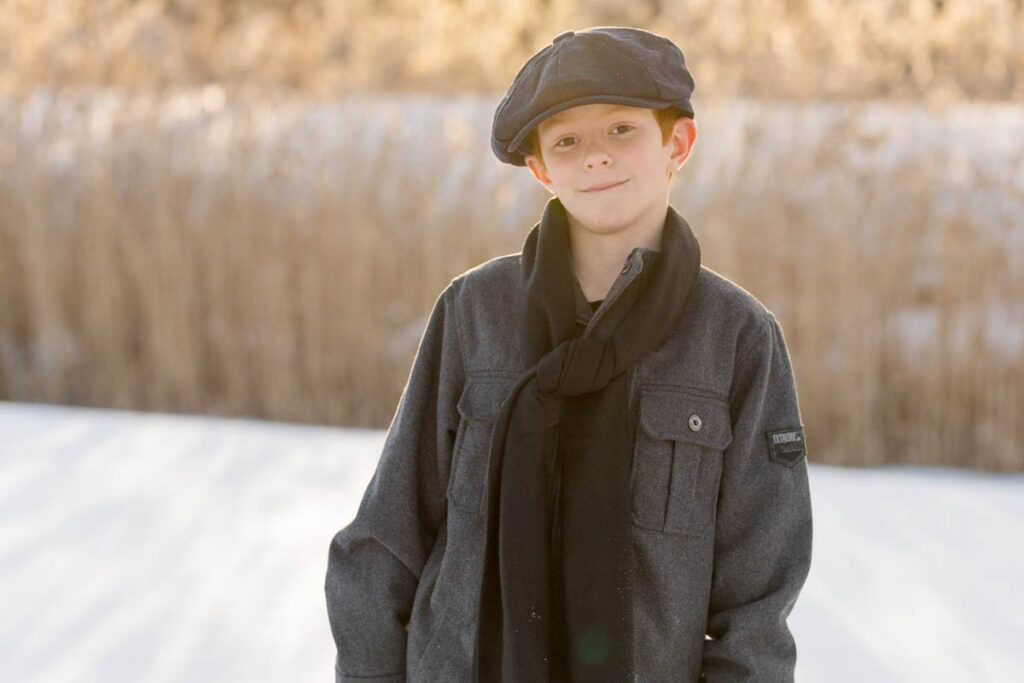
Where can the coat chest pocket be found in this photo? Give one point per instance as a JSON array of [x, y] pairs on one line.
[[478, 409], [677, 460]]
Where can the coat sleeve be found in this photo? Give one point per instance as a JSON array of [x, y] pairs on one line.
[[374, 563], [763, 526]]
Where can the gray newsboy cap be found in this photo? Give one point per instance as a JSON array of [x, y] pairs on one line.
[[612, 64]]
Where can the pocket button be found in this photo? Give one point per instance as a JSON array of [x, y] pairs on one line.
[[695, 422]]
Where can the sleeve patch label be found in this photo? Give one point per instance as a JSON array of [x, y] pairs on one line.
[[786, 445]]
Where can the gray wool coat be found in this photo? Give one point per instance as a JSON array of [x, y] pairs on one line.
[[721, 508]]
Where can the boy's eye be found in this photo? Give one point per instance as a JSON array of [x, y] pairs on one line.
[[628, 127]]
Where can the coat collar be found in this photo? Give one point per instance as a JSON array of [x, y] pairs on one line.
[[630, 269]]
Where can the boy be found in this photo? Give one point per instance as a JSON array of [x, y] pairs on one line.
[[596, 471]]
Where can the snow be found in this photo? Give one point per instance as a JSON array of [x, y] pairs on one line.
[[149, 547]]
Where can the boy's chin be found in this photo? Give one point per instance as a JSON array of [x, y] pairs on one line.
[[603, 219]]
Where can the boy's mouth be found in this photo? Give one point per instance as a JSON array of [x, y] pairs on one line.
[[605, 186]]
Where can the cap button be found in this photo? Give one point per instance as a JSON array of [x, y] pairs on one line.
[[563, 35]]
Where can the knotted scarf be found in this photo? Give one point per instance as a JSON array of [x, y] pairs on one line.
[[556, 591]]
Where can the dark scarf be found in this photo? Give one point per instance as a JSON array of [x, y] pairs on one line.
[[556, 593]]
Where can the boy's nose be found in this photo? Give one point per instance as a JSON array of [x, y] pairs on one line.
[[598, 157], [595, 153]]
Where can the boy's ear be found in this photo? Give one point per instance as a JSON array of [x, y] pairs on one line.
[[538, 170], [684, 135]]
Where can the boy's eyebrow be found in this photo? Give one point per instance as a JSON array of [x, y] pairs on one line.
[[560, 116]]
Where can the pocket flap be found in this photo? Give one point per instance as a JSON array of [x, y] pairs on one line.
[[482, 398], [678, 415]]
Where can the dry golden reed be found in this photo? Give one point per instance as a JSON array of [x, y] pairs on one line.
[[935, 50], [276, 257]]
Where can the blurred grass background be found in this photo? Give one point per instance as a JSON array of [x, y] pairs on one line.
[[938, 50], [248, 208]]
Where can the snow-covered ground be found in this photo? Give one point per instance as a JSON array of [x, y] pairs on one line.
[[144, 547]]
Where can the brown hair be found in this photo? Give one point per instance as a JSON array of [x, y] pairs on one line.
[[666, 119]]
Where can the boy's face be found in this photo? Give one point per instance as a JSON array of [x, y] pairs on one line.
[[587, 147]]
